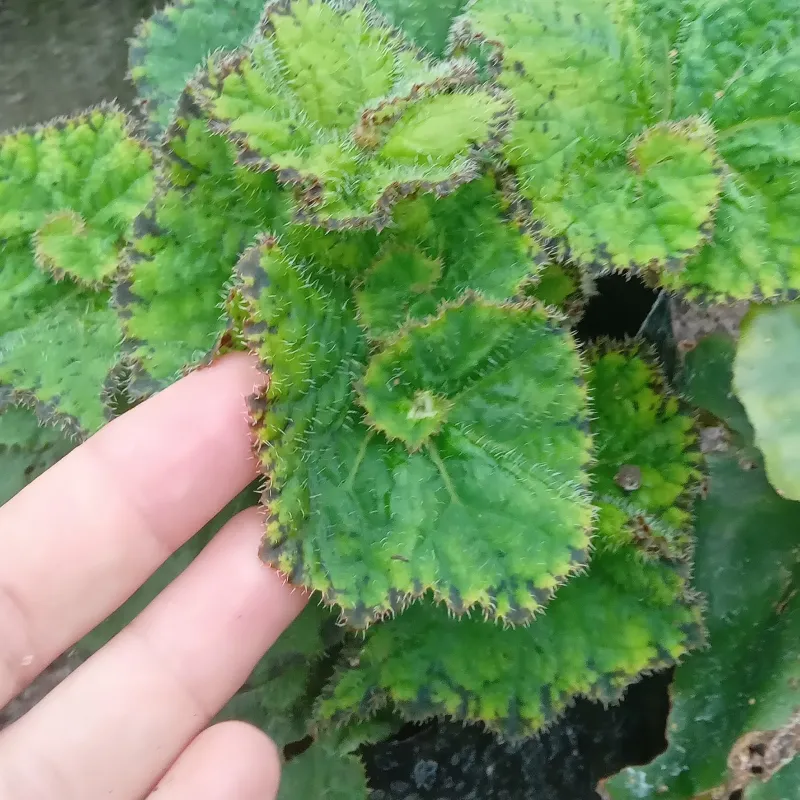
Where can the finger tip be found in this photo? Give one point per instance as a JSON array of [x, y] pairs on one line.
[[241, 369], [250, 525]]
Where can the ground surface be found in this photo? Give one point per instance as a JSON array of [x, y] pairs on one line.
[[59, 56]]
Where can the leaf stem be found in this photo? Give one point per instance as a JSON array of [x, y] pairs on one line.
[[437, 459], [362, 451]]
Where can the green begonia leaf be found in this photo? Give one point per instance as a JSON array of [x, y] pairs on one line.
[[206, 212], [625, 616], [339, 106], [588, 77], [68, 194], [631, 612], [326, 771], [439, 248], [730, 700], [88, 169], [767, 381], [425, 23], [170, 44], [608, 183], [492, 511], [739, 63], [27, 449], [560, 286], [647, 459]]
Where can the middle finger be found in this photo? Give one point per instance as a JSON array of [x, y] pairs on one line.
[[114, 726]]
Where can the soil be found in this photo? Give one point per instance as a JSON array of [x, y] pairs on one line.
[[60, 56]]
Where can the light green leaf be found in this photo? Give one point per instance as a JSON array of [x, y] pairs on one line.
[[338, 105], [588, 77], [439, 248], [647, 458], [583, 89], [738, 63], [767, 381], [560, 286], [747, 683], [27, 449], [170, 44], [89, 169], [357, 516], [185, 246], [631, 612], [68, 194]]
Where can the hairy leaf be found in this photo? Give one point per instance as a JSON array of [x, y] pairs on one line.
[[68, 194], [490, 512], [589, 76], [86, 172], [340, 107], [599, 632], [767, 381], [560, 286], [185, 246], [170, 44], [439, 248], [27, 449], [425, 23], [631, 612], [739, 63], [582, 87], [647, 460], [747, 683]]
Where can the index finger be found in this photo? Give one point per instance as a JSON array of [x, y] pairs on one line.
[[76, 543]]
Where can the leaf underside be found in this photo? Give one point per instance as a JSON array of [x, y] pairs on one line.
[[490, 512], [767, 382], [170, 44], [657, 141], [342, 108], [68, 194], [179, 266], [631, 612]]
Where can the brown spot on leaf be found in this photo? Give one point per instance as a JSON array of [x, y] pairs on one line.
[[629, 477], [758, 755]]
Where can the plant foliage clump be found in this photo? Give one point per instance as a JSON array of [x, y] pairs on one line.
[[402, 210]]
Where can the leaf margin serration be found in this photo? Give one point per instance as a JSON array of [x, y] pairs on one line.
[[251, 275], [454, 75]]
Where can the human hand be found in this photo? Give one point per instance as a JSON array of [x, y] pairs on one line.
[[76, 543]]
